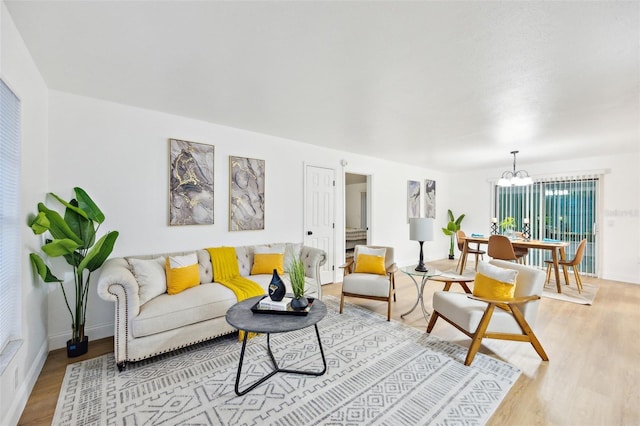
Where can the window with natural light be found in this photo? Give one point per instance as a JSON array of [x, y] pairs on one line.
[[9, 215], [559, 209]]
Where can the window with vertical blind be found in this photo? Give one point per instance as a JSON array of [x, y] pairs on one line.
[[562, 208], [9, 214]]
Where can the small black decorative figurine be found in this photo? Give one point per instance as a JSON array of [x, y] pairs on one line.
[[276, 287]]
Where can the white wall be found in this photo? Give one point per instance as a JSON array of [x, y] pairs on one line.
[[119, 154], [619, 216], [21, 75], [353, 209]]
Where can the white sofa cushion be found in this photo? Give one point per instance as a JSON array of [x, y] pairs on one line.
[[167, 312], [467, 313], [366, 284]]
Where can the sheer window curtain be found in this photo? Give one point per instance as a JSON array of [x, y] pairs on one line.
[[9, 215], [562, 207]]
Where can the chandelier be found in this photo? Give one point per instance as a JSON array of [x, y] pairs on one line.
[[515, 178]]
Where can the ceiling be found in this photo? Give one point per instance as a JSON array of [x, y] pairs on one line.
[[447, 85]]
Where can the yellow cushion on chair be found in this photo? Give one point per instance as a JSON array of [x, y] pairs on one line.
[[370, 264], [182, 273], [493, 282]]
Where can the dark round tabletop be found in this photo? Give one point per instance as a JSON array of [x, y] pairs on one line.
[[241, 317]]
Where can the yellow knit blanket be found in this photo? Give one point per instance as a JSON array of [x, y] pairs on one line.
[[227, 273]]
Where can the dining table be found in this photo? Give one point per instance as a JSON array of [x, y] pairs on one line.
[[556, 247]]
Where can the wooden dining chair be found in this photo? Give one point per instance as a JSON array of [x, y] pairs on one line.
[[521, 252], [573, 263], [460, 237], [500, 247]]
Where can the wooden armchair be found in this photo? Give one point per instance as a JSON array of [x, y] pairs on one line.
[[480, 318], [368, 285]]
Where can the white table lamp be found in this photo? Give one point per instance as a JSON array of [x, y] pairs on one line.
[[421, 230]]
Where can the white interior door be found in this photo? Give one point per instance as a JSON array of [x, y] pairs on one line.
[[319, 212]]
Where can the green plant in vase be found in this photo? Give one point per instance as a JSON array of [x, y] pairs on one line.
[[74, 238], [452, 227], [508, 226], [296, 276]]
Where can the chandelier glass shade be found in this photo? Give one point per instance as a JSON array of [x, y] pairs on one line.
[[515, 177]]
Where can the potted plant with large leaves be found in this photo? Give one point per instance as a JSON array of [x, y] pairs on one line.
[[452, 227], [74, 238]]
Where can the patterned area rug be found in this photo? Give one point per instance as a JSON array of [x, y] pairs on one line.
[[378, 372]]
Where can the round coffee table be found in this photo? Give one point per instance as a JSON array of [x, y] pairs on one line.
[[242, 317]]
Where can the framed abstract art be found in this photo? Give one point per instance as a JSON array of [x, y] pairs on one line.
[[413, 199], [191, 183], [246, 194], [430, 198]]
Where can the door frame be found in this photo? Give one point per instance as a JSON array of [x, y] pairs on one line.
[[370, 212]]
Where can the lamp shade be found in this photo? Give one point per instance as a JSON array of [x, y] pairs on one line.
[[421, 229]]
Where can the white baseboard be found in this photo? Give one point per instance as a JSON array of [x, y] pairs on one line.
[[24, 390], [58, 341]]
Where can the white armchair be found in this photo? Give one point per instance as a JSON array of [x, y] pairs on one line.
[[509, 319], [376, 286]]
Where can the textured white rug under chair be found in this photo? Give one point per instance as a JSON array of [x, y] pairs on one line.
[[570, 292], [379, 373]]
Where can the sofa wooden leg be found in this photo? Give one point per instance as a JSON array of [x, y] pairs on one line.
[[122, 366], [341, 302]]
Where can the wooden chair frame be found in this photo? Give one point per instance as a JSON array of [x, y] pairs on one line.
[[510, 305], [573, 264], [391, 270], [460, 237]]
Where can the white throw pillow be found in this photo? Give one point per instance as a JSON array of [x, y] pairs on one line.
[[269, 249], [372, 251], [182, 261], [497, 273], [151, 277]]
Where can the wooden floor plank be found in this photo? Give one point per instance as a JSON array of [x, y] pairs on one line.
[[592, 377]]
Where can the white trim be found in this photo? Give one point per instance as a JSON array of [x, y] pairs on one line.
[[21, 396], [59, 340]]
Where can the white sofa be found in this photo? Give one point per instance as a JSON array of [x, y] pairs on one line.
[[169, 322]]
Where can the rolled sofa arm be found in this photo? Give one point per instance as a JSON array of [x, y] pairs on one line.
[[117, 284], [313, 259]]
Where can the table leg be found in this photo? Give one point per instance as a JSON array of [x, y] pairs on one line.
[[420, 290], [276, 368], [417, 298], [564, 268], [463, 260], [463, 284], [556, 268]]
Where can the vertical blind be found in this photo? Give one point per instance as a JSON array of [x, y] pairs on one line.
[[559, 208], [9, 212]]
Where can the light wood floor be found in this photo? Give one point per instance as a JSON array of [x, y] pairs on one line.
[[592, 378]]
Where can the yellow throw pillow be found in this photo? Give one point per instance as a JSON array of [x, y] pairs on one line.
[[490, 288], [182, 273], [493, 282], [370, 264], [265, 263]]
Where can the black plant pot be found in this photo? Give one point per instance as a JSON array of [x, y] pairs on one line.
[[75, 349], [451, 257]]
